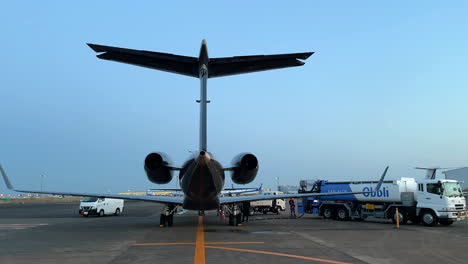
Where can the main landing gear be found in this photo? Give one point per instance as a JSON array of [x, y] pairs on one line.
[[235, 215], [167, 215]]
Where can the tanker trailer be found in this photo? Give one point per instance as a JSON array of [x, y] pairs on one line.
[[429, 201]]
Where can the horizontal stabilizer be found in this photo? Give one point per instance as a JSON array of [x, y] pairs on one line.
[[219, 67], [149, 59]]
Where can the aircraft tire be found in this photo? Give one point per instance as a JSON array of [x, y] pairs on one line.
[[162, 220], [231, 219], [170, 220], [238, 220]]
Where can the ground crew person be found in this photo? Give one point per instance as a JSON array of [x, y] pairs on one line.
[[292, 207], [245, 211]]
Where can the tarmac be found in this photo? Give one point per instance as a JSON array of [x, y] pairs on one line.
[[55, 233]]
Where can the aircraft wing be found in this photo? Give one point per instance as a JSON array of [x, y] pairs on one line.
[[219, 67], [251, 198], [160, 190], [158, 199], [149, 59]]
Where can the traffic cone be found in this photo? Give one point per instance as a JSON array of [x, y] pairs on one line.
[[223, 216]]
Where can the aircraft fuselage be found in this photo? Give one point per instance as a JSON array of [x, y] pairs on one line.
[[201, 179]]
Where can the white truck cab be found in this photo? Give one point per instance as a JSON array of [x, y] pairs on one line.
[[440, 199], [265, 206], [101, 206]]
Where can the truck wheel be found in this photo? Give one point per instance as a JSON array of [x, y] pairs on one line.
[[342, 213], [328, 212], [277, 210], [251, 211], [446, 222], [401, 214], [117, 212], [428, 218], [101, 213]]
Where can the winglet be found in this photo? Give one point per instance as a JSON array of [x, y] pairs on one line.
[[377, 188], [5, 178]]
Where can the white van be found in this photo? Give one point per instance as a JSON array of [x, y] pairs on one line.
[[101, 206]]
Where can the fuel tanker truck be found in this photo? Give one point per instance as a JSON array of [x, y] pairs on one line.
[[428, 201]]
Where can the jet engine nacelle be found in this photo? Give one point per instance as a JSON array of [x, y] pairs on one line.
[[157, 168], [245, 168]]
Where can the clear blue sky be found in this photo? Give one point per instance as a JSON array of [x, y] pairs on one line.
[[388, 85]]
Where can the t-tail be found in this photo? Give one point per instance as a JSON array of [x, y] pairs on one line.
[[202, 67], [201, 177], [203, 74]]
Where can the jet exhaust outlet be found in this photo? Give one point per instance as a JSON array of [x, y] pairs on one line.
[[157, 168], [245, 168]]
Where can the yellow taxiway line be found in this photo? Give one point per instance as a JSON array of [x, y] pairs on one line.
[[192, 243], [200, 243], [279, 254]]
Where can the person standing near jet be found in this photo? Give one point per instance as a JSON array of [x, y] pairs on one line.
[[245, 211], [292, 207]]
